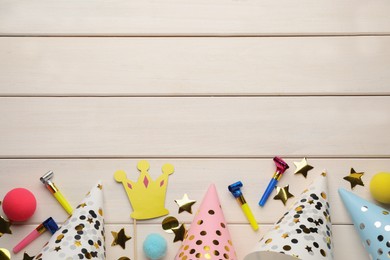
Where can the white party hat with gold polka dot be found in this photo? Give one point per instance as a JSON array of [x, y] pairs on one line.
[[208, 236], [372, 223], [304, 232], [82, 235]]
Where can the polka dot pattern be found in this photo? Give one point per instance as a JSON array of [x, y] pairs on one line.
[[305, 231], [82, 235], [208, 236], [371, 222]]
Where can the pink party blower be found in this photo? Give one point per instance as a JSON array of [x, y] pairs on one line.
[[48, 224]]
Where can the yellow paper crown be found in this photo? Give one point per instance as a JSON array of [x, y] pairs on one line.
[[147, 197]]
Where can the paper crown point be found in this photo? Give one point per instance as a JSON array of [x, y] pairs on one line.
[[208, 236], [147, 197], [303, 232], [371, 222]]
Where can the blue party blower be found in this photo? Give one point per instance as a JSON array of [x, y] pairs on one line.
[[281, 167]]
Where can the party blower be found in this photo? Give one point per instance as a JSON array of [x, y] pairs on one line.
[[281, 167], [235, 189], [46, 179], [48, 224]]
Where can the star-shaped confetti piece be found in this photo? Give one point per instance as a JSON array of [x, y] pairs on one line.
[[354, 178], [283, 194], [120, 238], [302, 167], [27, 257], [185, 204], [4, 226], [179, 233]]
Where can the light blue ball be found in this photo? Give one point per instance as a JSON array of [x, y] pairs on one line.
[[155, 246]]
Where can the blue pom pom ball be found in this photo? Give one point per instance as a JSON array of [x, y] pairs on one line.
[[155, 246]]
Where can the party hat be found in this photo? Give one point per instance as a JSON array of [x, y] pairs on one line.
[[208, 237], [303, 232], [82, 235], [372, 222]]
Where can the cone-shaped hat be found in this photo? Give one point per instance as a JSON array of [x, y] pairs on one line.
[[371, 221], [208, 236], [82, 235], [303, 232]]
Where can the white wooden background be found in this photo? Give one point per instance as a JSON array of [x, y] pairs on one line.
[[217, 88]]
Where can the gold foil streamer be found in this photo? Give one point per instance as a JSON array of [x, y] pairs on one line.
[[354, 178], [170, 223]]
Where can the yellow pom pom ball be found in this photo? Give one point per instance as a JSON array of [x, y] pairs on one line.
[[380, 187]]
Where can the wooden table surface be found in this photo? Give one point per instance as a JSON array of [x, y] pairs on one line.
[[216, 88]]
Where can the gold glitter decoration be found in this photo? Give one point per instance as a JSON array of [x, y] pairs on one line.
[[4, 226], [283, 194], [120, 238], [185, 204], [27, 257], [302, 167], [285, 235], [4, 254], [169, 223], [179, 233], [354, 178]]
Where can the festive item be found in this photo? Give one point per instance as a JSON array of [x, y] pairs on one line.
[[235, 189], [82, 235], [124, 258], [185, 204], [155, 246], [46, 180], [379, 187], [208, 237], [4, 254], [147, 197], [120, 238], [19, 204], [179, 232], [355, 178], [283, 194], [304, 232], [27, 257], [371, 222], [170, 223], [48, 224], [4, 226], [302, 167], [281, 167]]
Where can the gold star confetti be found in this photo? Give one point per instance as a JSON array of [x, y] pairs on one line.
[[179, 233], [185, 204], [120, 238], [90, 220], [77, 243], [57, 248], [285, 235], [308, 248], [100, 186], [4, 226], [354, 178], [302, 167], [5, 254], [27, 257], [283, 194], [169, 223]]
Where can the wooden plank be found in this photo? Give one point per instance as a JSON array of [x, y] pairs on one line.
[[195, 127], [75, 177], [193, 17], [195, 66], [346, 241]]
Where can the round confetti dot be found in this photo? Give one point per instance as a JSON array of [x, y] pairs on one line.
[[387, 227], [380, 238], [287, 248], [211, 212], [377, 224], [362, 226], [364, 208]]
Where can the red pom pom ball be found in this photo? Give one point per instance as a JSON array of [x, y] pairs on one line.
[[19, 204]]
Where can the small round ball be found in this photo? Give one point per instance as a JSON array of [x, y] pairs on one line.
[[379, 187], [155, 246], [19, 204]]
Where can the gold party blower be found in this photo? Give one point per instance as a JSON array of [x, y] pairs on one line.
[[46, 179]]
